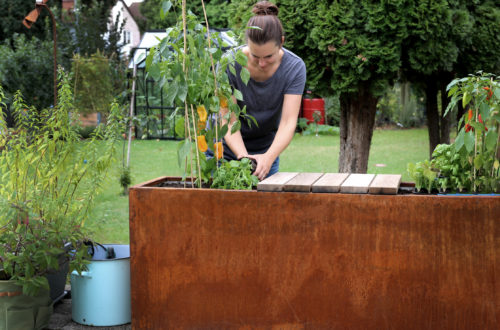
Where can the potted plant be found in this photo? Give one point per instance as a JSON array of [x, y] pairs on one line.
[[48, 182], [472, 162], [191, 65]]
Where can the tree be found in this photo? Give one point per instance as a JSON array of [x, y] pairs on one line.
[[352, 48], [219, 13], [435, 31], [12, 13], [90, 31], [27, 66], [92, 84]]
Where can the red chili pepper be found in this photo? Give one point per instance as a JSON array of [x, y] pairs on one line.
[[467, 128], [490, 92], [481, 121], [470, 114]]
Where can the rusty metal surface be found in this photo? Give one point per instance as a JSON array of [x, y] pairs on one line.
[[211, 259]]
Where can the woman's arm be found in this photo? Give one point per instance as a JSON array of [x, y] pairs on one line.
[[286, 130]]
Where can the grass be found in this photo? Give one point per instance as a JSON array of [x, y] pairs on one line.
[[151, 159]]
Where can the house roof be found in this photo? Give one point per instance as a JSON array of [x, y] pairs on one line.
[[135, 10]]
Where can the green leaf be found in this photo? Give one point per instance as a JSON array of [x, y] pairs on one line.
[[182, 91], [171, 92], [236, 127], [245, 75], [179, 126], [223, 130], [241, 58], [484, 110], [165, 8], [491, 140], [451, 84], [497, 93], [469, 141], [232, 69], [183, 150], [459, 140], [154, 71], [478, 161], [238, 95]]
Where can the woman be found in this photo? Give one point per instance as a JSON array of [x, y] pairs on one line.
[[272, 96]]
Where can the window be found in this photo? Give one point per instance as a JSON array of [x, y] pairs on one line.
[[126, 37]]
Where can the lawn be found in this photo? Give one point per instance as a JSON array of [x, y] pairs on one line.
[[390, 152]]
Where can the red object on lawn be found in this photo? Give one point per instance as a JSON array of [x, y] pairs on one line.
[[309, 106]]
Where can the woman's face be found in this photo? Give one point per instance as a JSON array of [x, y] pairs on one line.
[[263, 56]]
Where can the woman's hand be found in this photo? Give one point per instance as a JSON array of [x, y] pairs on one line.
[[264, 163]]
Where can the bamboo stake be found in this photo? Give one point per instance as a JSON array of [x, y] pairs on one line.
[[196, 146], [213, 71], [186, 111]]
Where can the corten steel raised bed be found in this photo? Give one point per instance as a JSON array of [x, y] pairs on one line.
[[216, 259]]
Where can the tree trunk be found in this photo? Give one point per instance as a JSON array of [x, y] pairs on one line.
[[445, 120], [357, 118], [432, 114]]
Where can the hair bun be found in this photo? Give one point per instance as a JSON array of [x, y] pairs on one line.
[[265, 8]]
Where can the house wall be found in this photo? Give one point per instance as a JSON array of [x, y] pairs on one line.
[[131, 34]]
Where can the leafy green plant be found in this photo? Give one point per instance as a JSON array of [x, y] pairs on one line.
[[235, 175], [321, 130], [471, 163], [302, 124], [184, 66], [93, 89], [125, 179], [48, 183]]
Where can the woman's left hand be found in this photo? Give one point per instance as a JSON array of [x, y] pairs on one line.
[[264, 163]]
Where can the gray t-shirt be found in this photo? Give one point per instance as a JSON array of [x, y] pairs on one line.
[[264, 101]]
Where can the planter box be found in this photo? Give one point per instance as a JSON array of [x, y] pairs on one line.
[[219, 259]]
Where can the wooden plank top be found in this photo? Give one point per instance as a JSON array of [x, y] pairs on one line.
[[302, 182], [329, 183], [387, 184], [276, 181], [357, 183]]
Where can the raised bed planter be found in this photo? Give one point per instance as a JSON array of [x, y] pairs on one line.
[[217, 259]]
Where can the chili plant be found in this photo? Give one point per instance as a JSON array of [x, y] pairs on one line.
[[471, 163], [184, 65]]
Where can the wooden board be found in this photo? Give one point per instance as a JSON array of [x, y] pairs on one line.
[[275, 182], [357, 183], [302, 182], [329, 183], [387, 184]]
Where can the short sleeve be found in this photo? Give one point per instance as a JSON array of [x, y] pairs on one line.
[[297, 79]]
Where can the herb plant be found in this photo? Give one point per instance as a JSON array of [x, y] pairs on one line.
[[235, 175], [48, 183]]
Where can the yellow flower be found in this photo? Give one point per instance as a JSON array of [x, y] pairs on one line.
[[223, 102], [202, 143], [202, 112], [218, 150]]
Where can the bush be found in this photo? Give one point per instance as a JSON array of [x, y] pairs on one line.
[[28, 67], [86, 131]]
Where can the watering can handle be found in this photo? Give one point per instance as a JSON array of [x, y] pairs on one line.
[[86, 274]]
